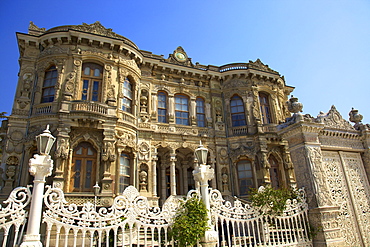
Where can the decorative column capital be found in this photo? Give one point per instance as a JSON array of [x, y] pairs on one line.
[[203, 173], [41, 166]]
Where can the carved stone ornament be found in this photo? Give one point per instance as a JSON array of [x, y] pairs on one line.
[[179, 56], [33, 27], [334, 120], [237, 150], [109, 152], [320, 186], [70, 85], [52, 50], [144, 151], [131, 64], [260, 66], [62, 150], [294, 106], [125, 139]]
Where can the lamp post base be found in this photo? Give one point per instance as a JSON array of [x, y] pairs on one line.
[[210, 238], [31, 241]]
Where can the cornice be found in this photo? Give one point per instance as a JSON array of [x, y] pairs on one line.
[[301, 127]]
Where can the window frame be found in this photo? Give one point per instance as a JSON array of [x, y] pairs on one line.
[[265, 108], [200, 112], [237, 112], [162, 110], [53, 72], [276, 180], [182, 115], [127, 92], [126, 176], [246, 178], [84, 159], [91, 85]]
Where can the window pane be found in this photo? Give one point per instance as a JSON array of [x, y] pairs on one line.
[[77, 174], [87, 71], [97, 72], [89, 167]]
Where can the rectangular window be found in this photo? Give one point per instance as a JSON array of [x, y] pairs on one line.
[[124, 172], [182, 110]]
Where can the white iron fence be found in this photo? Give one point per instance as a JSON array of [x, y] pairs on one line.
[[130, 221], [13, 216]]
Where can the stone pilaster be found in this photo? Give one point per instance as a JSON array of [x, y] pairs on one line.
[[305, 151]]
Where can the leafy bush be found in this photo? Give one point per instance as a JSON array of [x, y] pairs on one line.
[[272, 201], [190, 222]]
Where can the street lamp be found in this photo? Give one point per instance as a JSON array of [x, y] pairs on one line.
[[203, 173], [201, 154], [41, 166], [45, 141]]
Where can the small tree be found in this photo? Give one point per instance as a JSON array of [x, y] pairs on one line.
[[190, 223]]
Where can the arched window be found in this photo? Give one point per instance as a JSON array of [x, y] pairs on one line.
[[48, 88], [201, 117], [127, 96], [182, 109], [275, 177], [124, 172], [245, 176], [92, 77], [83, 170], [265, 108], [237, 111], [162, 107]]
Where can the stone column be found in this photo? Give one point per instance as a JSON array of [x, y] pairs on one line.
[[154, 173], [171, 109], [185, 177], [192, 112], [305, 151], [173, 172], [163, 182]]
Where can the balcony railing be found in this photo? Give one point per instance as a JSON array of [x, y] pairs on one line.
[[238, 131], [269, 128], [45, 108], [93, 107]]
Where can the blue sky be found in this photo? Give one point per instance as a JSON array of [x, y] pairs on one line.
[[322, 47]]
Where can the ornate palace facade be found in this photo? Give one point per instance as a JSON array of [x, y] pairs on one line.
[[124, 116]]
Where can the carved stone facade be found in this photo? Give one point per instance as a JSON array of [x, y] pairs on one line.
[[124, 116]]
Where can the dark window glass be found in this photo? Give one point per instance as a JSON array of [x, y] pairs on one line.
[[162, 107], [245, 176], [265, 108], [201, 118], [127, 96], [83, 168], [48, 88], [237, 111], [91, 81]]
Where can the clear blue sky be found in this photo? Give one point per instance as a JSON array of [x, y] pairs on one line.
[[322, 47]]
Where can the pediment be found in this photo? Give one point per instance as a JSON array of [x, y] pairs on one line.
[[260, 66], [334, 120], [179, 56]]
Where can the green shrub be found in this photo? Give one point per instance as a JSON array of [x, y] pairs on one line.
[[190, 222], [272, 201]]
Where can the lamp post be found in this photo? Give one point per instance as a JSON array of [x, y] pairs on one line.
[[41, 166], [203, 173], [96, 188]]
